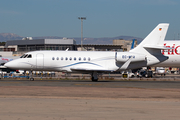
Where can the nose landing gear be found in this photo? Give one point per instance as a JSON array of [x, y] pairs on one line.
[[31, 76]]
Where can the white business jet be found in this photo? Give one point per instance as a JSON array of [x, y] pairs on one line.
[[147, 53]]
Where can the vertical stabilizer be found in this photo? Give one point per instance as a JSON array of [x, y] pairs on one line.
[[153, 41]]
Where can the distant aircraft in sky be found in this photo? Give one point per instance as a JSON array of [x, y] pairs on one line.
[[147, 53]]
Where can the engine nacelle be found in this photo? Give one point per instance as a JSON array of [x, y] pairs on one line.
[[124, 56]]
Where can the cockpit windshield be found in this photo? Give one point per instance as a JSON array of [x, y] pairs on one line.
[[26, 56], [23, 56]]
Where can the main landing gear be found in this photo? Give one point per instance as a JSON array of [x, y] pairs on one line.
[[94, 77]]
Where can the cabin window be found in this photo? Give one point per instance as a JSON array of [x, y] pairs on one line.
[[70, 58], [74, 58], [79, 58], [84, 59], [89, 58], [52, 58], [66, 58], [57, 58], [61, 58]]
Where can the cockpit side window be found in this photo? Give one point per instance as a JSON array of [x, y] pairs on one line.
[[29, 56]]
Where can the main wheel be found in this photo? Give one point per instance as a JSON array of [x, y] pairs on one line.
[[94, 80]]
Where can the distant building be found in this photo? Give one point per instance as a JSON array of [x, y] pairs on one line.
[[89, 47], [26, 45], [126, 44], [19, 47]]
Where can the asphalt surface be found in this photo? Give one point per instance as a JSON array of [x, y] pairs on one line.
[[131, 99], [87, 83]]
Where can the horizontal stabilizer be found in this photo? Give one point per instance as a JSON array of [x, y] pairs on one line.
[[157, 47]]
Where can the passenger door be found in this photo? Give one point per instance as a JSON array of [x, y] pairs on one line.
[[40, 60]]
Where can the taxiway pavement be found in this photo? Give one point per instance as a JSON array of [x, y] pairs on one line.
[[83, 99]]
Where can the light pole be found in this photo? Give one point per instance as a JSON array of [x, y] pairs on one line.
[[82, 18]]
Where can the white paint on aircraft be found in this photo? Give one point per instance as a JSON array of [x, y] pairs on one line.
[[147, 53]]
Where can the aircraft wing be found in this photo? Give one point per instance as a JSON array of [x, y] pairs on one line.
[[90, 70]]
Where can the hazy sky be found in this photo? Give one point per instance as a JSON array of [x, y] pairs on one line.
[[105, 18]]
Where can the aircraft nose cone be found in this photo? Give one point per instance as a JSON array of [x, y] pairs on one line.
[[10, 65]]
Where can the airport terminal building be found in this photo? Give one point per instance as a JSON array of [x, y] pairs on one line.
[[22, 46], [42, 44]]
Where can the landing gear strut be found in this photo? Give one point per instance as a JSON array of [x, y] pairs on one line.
[[31, 76], [94, 77]]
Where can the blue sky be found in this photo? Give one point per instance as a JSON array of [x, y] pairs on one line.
[[105, 18]]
